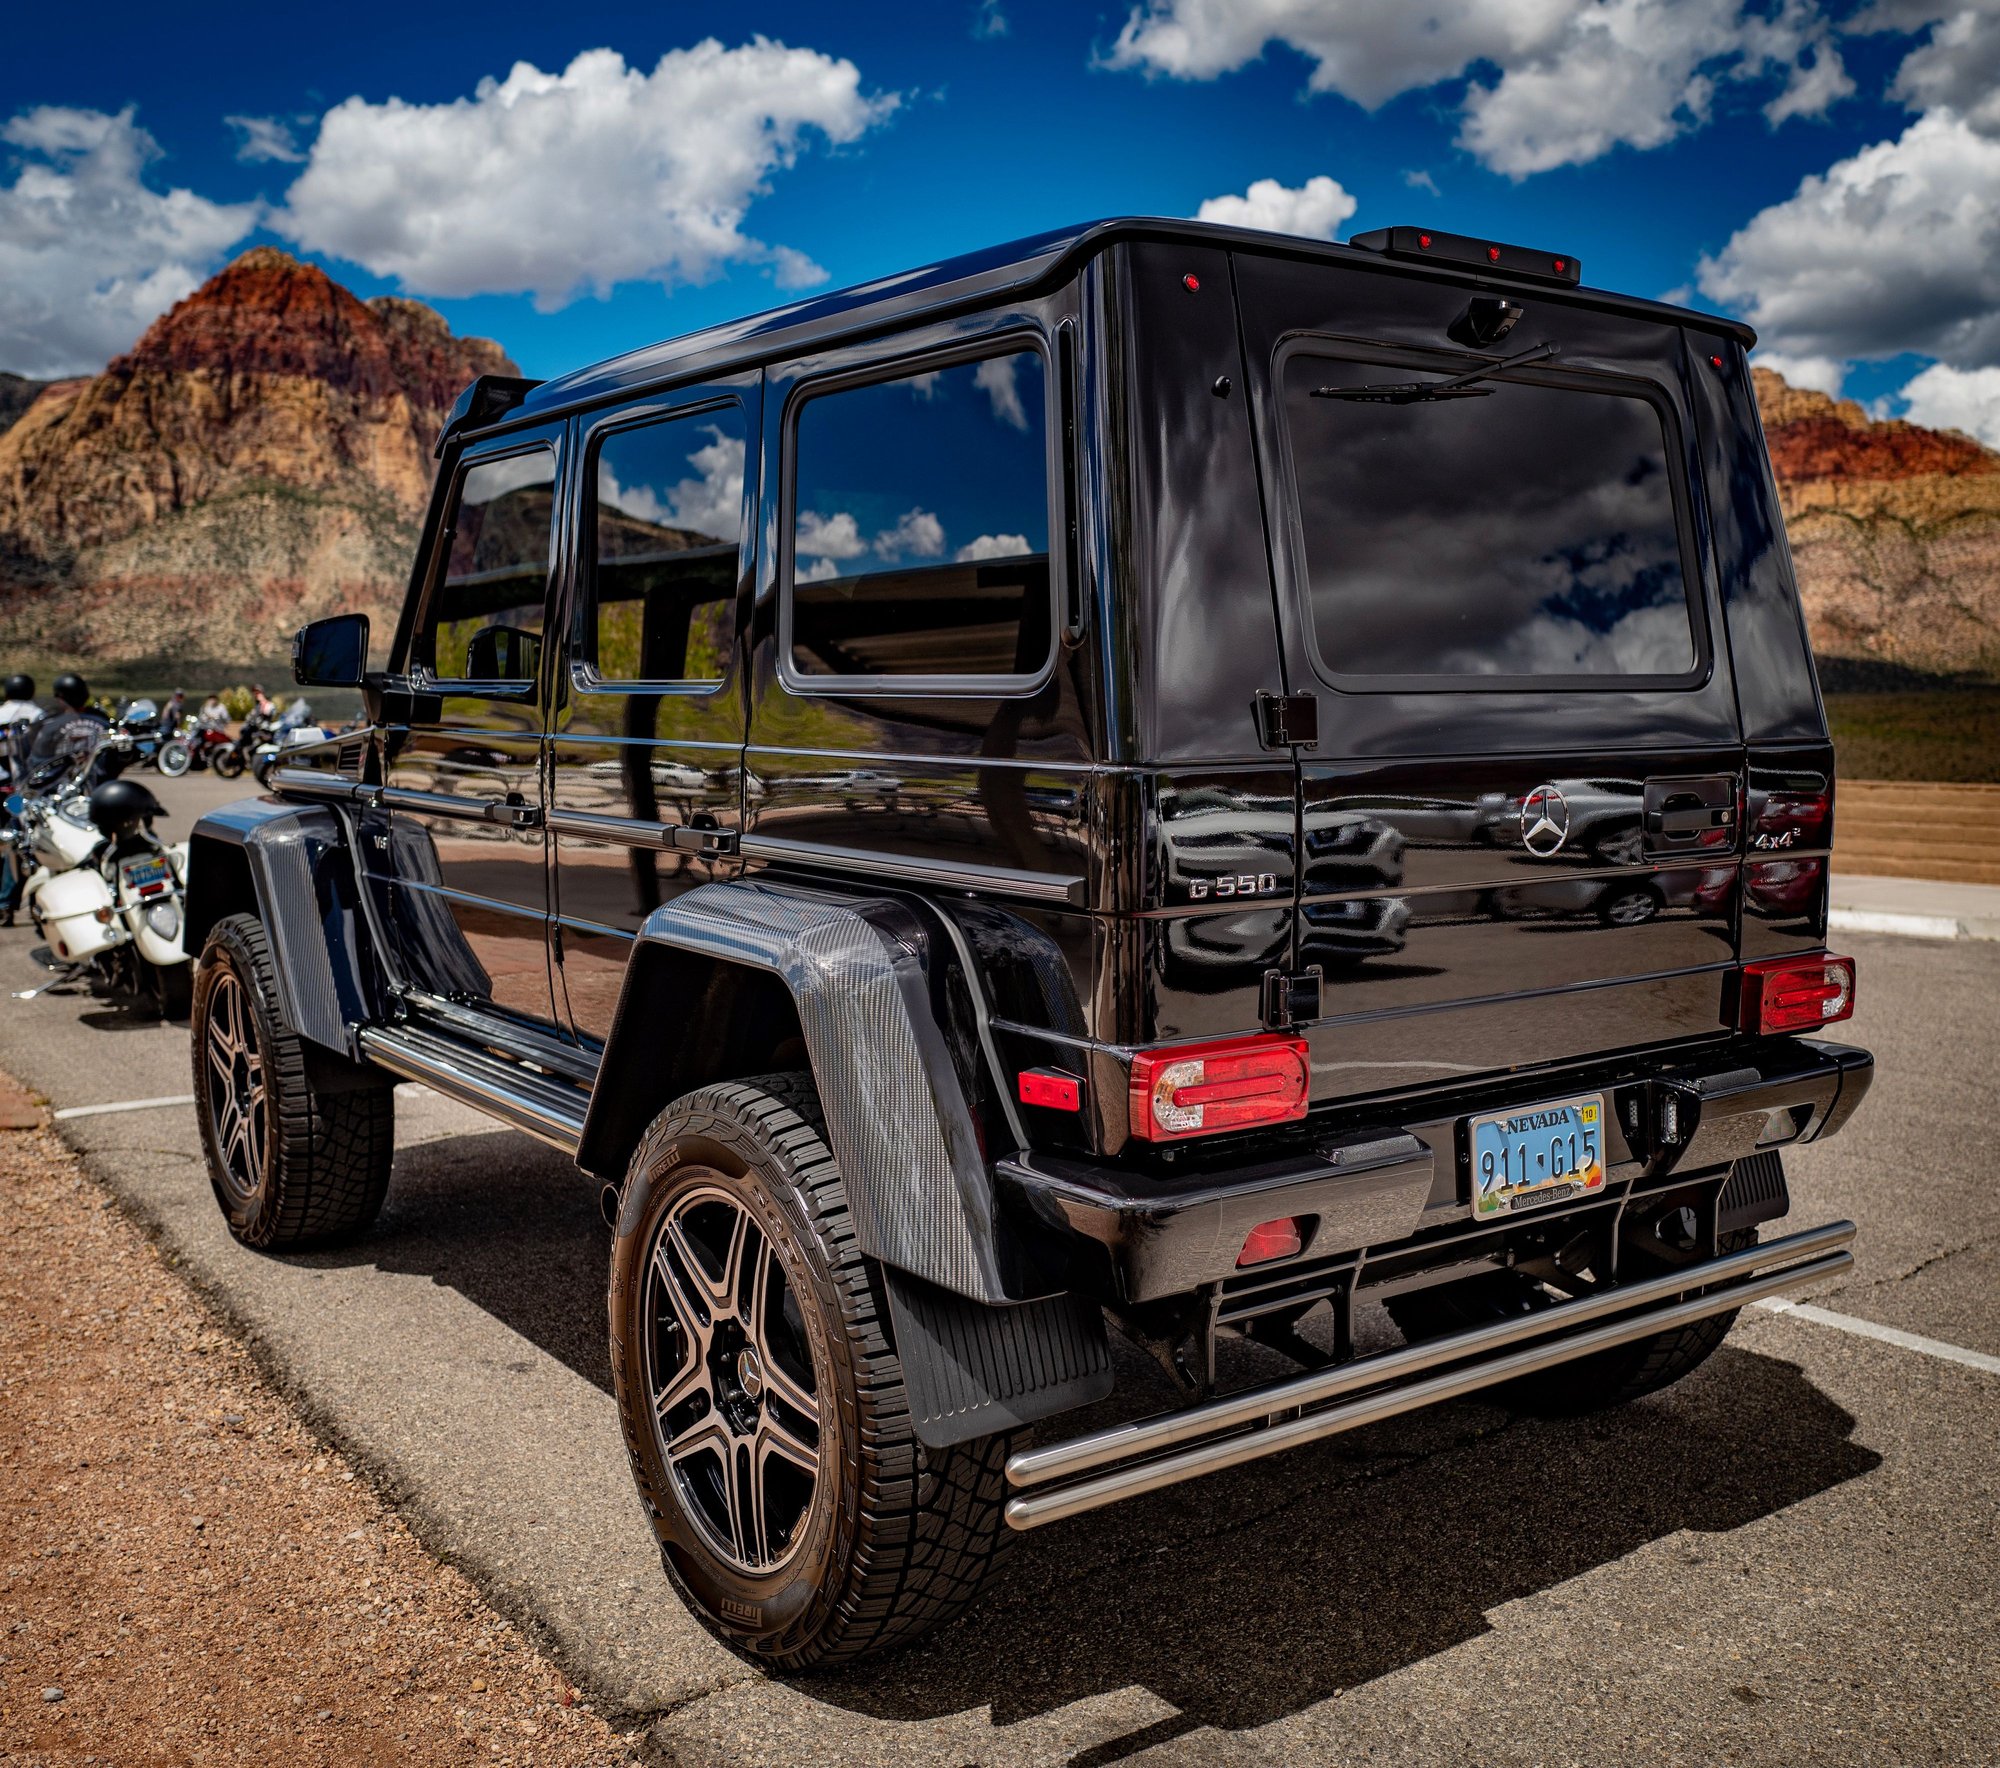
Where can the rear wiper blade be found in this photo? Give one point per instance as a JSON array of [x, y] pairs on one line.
[[1419, 392]]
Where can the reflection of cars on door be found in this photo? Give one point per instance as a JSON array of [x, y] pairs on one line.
[[905, 791]]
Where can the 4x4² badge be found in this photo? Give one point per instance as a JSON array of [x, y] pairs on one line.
[[1544, 821]]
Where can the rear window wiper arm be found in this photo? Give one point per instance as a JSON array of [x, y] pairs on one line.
[[1419, 392]]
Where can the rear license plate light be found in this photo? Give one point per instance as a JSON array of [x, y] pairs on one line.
[[1205, 1089], [1794, 994]]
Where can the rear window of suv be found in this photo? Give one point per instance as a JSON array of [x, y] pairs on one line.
[[1529, 534]]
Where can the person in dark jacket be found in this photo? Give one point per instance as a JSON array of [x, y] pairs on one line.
[[66, 734]]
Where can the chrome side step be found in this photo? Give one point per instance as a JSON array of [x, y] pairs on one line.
[[547, 1107], [1264, 1421]]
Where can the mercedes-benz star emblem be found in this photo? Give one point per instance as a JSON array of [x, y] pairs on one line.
[[1544, 821]]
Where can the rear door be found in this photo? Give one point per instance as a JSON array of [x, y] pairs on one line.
[[1519, 826]]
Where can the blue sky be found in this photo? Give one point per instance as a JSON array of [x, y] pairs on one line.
[[1829, 169]]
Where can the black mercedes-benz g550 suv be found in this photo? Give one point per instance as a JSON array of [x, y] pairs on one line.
[[1158, 780]]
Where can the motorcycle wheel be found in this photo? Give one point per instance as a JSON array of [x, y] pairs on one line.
[[174, 758], [172, 989], [228, 763]]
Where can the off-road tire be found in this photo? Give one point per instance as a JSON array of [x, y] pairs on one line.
[[897, 1537], [316, 1167], [1595, 1383]]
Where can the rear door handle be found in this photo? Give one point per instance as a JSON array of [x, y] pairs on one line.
[[1691, 820], [1686, 809]]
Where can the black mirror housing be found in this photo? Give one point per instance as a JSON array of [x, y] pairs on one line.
[[331, 653]]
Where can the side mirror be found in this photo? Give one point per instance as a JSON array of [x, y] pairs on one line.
[[331, 653], [503, 653]]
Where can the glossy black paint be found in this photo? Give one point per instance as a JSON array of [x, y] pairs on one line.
[[1112, 856]]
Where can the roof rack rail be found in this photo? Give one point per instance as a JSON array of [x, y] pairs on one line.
[[485, 401]]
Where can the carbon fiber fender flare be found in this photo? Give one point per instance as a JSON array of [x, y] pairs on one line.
[[289, 865], [856, 970]]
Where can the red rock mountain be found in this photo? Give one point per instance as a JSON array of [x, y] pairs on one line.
[[1895, 530], [262, 455]]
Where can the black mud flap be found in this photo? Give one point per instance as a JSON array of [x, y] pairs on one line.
[[974, 1371], [1755, 1192]]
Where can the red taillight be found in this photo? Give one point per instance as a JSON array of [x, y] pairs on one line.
[[1794, 994], [1059, 1092], [1269, 1240], [1203, 1089]]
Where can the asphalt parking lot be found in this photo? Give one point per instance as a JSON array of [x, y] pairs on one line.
[[1790, 1558]]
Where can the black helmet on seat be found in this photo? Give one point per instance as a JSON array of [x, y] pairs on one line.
[[118, 806]]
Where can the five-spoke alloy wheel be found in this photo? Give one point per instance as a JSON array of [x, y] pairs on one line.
[[729, 1370]]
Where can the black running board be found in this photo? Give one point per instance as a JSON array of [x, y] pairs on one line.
[[548, 1107], [1064, 1479]]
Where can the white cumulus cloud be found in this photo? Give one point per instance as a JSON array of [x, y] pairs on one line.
[[1947, 398], [917, 534], [995, 378], [1316, 209], [90, 251], [557, 183], [1577, 78], [1894, 249], [833, 537], [993, 546], [265, 138]]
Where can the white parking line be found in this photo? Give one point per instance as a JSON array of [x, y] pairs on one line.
[[71, 1111], [1909, 1341]]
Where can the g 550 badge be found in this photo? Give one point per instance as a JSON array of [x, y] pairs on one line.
[[1237, 884]]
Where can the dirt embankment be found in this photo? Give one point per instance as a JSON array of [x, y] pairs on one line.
[[188, 1577]]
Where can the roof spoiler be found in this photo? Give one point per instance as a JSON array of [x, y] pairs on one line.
[[1457, 248], [486, 401]]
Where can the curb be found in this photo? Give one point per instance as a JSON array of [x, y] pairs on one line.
[[1910, 926]]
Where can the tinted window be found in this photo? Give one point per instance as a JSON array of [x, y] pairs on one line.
[[1528, 531], [486, 610], [920, 526], [669, 514]]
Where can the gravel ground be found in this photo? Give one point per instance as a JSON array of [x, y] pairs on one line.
[[186, 1575]]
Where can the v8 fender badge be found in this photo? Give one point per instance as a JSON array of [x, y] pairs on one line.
[[1544, 821]]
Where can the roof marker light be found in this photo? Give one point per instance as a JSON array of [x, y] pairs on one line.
[[1715, 362], [1424, 240], [1561, 265], [1493, 254], [1192, 283]]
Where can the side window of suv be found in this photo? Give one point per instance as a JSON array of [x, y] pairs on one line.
[[666, 527], [919, 528], [482, 621]]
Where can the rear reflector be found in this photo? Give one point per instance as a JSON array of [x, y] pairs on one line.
[[1059, 1092], [1794, 994], [1203, 1089], [1269, 1240]]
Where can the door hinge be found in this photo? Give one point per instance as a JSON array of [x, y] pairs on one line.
[[1292, 997], [1285, 721]]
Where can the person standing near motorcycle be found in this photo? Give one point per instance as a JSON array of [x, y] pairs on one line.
[[18, 713], [68, 733]]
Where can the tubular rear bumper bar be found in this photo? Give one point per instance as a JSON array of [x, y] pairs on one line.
[[1066, 1479]]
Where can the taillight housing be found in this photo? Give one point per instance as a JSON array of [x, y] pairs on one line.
[[1794, 994], [1232, 1084]]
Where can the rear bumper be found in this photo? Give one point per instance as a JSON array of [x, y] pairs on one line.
[[1131, 1236], [1089, 1472]]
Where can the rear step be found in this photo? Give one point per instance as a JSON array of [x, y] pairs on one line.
[[1248, 1426], [547, 1107]]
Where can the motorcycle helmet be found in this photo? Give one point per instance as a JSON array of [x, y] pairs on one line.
[[72, 691], [118, 806], [20, 687]]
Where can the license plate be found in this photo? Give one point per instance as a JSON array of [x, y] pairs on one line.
[[1539, 1155], [145, 874]]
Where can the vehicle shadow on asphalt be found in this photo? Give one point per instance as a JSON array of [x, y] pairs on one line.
[[1237, 1599]]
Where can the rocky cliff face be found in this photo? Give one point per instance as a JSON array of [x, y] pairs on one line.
[[1896, 533], [262, 455]]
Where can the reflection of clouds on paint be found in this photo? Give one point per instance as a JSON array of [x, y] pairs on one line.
[[925, 386], [837, 536], [709, 504], [917, 534], [994, 546], [817, 572], [995, 378]]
